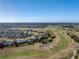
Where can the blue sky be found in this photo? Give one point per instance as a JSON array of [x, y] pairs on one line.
[[39, 10]]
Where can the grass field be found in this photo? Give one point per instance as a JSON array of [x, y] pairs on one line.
[[63, 43], [30, 52]]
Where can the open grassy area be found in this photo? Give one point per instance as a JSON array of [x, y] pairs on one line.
[[30, 52], [63, 43]]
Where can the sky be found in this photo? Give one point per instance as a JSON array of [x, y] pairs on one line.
[[39, 10]]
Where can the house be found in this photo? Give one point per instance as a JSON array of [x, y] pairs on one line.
[[1, 45], [8, 43], [20, 41]]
